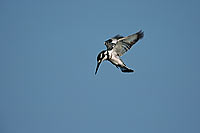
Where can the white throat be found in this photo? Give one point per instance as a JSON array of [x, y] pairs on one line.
[[108, 54]]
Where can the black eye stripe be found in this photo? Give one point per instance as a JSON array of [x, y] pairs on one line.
[[102, 55]]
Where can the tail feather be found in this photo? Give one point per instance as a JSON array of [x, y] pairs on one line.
[[126, 69]]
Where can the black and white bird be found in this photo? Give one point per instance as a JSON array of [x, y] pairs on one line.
[[116, 47]]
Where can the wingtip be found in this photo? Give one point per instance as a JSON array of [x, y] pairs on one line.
[[140, 34]]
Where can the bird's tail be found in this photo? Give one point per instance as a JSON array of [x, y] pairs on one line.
[[126, 69]]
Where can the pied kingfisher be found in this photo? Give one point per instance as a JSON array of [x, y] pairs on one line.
[[116, 47]]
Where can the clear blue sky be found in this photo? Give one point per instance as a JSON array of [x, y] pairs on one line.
[[48, 53]]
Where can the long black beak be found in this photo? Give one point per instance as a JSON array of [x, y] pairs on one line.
[[98, 64]]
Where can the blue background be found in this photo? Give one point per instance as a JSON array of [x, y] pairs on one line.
[[48, 53]]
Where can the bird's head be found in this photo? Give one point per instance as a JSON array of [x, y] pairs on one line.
[[101, 57]]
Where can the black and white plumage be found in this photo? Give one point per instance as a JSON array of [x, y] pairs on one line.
[[116, 47]]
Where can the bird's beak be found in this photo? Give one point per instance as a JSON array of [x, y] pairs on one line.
[[98, 64]]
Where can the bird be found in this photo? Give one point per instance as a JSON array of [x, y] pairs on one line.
[[116, 47]]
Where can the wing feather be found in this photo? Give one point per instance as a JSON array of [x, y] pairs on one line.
[[110, 43], [124, 44]]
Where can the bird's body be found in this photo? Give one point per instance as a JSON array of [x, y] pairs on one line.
[[116, 47], [112, 56]]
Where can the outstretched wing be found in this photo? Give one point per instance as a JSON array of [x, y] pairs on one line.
[[110, 43], [124, 44]]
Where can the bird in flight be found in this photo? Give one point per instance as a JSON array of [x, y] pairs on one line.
[[116, 47]]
